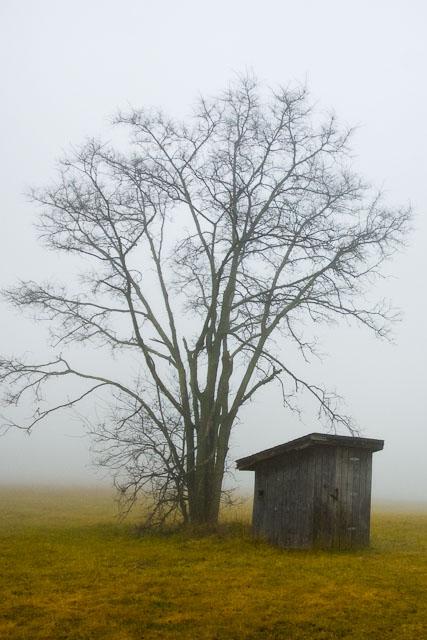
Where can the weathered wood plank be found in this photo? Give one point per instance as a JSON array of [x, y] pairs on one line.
[[356, 531]]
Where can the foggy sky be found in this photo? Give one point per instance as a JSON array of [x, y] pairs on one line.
[[67, 67]]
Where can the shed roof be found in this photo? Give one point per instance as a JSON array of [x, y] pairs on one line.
[[312, 439]]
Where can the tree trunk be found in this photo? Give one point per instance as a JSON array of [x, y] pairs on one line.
[[204, 501]]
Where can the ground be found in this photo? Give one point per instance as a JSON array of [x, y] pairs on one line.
[[70, 570]]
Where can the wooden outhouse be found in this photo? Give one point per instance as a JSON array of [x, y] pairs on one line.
[[314, 491]]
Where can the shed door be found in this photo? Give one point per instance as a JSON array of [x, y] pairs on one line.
[[342, 497]]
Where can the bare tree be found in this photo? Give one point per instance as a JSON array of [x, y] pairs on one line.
[[251, 223]]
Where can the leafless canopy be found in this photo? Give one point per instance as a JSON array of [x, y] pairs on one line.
[[209, 240]]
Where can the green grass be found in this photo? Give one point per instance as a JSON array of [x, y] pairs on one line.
[[70, 570]]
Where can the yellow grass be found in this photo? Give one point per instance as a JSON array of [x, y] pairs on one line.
[[69, 570]]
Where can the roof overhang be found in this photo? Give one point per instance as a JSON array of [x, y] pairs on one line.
[[311, 440]]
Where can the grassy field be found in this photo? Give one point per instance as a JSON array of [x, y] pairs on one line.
[[68, 569]]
